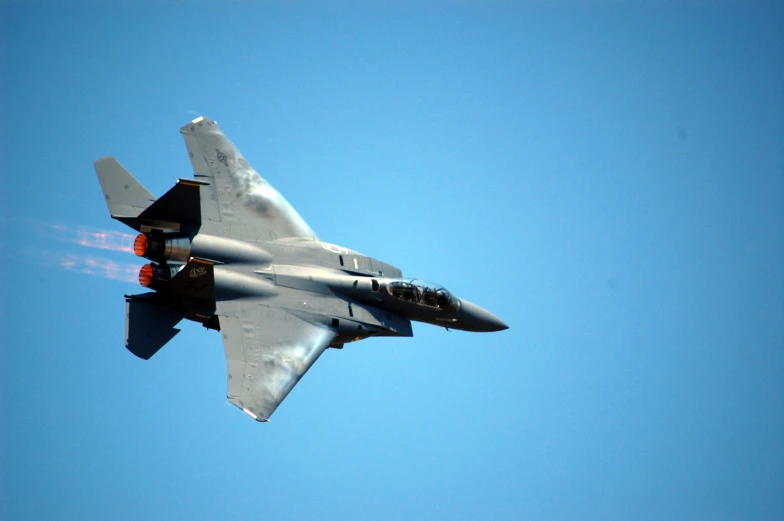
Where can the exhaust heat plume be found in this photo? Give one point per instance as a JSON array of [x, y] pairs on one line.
[[93, 237], [100, 267], [90, 265]]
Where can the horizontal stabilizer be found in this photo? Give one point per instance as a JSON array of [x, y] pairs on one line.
[[125, 196], [180, 205], [148, 325]]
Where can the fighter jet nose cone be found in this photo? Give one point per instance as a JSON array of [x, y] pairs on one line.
[[496, 324], [501, 325], [476, 318]]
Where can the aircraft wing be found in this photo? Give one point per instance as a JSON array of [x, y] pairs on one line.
[[236, 194], [268, 350]]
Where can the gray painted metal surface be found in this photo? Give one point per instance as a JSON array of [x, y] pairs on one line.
[[228, 251]]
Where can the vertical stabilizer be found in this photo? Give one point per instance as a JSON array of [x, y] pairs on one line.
[[125, 196]]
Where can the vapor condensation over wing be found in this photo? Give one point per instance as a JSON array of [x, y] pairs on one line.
[[93, 237]]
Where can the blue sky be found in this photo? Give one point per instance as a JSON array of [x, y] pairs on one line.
[[607, 178]]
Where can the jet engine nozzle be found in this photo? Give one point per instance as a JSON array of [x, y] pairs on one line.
[[153, 276], [140, 245], [160, 248]]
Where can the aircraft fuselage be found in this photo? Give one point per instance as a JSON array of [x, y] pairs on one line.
[[358, 295]]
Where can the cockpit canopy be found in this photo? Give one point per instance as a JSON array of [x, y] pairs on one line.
[[423, 293]]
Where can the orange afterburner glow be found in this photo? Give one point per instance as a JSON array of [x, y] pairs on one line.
[[140, 245], [145, 274]]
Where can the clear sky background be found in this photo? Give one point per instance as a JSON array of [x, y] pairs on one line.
[[606, 177]]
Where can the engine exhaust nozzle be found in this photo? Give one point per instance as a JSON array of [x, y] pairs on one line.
[[154, 276], [140, 245]]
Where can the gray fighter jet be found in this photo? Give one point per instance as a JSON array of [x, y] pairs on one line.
[[229, 252]]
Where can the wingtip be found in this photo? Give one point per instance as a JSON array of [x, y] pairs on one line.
[[255, 416]]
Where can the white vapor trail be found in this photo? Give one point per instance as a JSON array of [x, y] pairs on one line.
[[92, 265], [92, 237]]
